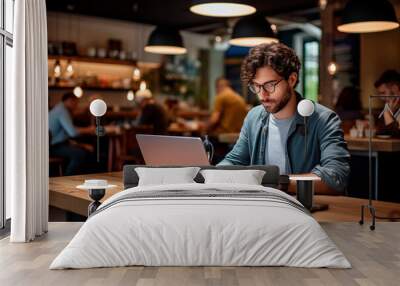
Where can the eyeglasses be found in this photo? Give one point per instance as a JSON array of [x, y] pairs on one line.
[[268, 86]]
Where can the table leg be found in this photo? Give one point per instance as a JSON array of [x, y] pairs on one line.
[[305, 193], [117, 147], [96, 195], [376, 175], [110, 154]]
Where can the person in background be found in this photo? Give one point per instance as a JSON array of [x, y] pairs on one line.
[[154, 114], [229, 109], [348, 107], [62, 130], [273, 133], [389, 84]]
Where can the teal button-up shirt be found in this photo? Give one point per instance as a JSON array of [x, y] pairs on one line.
[[327, 154]]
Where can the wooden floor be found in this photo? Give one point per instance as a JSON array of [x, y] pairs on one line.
[[374, 255]]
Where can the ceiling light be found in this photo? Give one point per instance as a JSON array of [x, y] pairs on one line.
[[367, 16], [251, 31], [221, 8], [165, 41], [78, 92], [130, 95], [69, 70], [332, 68], [57, 69], [136, 74]]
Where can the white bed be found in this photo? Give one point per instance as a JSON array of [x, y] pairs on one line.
[[225, 225]]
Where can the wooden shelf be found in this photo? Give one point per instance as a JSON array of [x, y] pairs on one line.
[[110, 61], [233, 61], [65, 88], [189, 114]]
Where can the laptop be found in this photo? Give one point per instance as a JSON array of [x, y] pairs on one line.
[[159, 150]]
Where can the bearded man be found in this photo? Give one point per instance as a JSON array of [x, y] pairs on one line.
[[273, 133]]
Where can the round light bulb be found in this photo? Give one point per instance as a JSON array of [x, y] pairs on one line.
[[57, 69], [332, 68], [322, 4], [136, 74], [69, 70], [98, 107], [130, 95], [78, 92], [305, 107]]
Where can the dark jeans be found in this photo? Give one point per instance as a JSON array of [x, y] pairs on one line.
[[74, 155]]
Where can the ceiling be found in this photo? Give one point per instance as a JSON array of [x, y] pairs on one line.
[[173, 13]]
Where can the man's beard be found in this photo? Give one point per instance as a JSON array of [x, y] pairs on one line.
[[279, 105]]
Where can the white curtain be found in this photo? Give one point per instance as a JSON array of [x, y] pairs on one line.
[[26, 124]]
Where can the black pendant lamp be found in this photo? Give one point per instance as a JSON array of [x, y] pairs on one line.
[[367, 16], [167, 41], [251, 31], [222, 8]]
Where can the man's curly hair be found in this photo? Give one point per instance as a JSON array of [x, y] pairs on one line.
[[282, 59]]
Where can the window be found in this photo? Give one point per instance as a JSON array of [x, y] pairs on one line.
[[6, 43], [311, 69], [9, 13]]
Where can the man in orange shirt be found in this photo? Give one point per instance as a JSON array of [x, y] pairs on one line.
[[229, 109]]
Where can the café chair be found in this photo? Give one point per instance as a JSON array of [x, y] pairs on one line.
[[56, 161], [130, 151]]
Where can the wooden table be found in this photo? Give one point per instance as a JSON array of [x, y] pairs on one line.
[[378, 144], [356, 144], [360, 147], [64, 195]]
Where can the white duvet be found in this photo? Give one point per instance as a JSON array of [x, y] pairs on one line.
[[204, 231]]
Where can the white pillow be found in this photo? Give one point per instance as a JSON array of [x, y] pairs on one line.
[[248, 177], [164, 176]]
